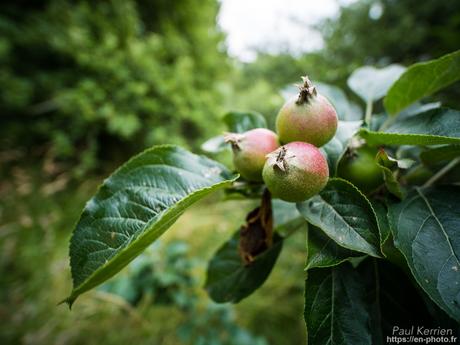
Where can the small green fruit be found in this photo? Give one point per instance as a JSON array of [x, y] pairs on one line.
[[308, 117], [295, 172], [360, 168], [250, 150]]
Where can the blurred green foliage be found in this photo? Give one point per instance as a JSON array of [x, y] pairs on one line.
[[367, 32], [389, 31], [97, 77], [163, 275], [34, 276], [94, 82]]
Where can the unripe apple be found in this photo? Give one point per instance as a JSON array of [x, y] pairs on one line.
[[360, 168], [250, 150], [308, 117], [295, 172]]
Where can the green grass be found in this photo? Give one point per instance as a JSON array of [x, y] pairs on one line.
[[36, 220]]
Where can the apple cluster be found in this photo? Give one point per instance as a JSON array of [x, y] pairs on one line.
[[289, 162]]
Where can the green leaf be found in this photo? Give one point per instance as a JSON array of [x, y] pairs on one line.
[[242, 190], [336, 311], [421, 80], [387, 164], [381, 213], [387, 246], [286, 217], [433, 127], [425, 227], [440, 154], [371, 83], [336, 147], [391, 182], [239, 122], [362, 305], [417, 108], [230, 280], [322, 251], [215, 144], [284, 212], [134, 206], [346, 130], [393, 300], [333, 151], [345, 215], [346, 110]]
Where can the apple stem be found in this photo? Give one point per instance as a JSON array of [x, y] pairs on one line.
[[368, 115], [441, 172]]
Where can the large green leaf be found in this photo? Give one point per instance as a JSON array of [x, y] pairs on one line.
[[134, 206], [422, 79], [433, 127], [425, 227], [230, 280], [394, 300], [239, 122], [362, 305], [345, 215], [322, 251], [336, 311], [371, 83]]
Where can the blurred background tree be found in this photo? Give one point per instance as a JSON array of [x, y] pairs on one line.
[[94, 82], [366, 32], [90, 79]]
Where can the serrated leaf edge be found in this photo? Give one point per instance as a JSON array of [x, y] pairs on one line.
[[450, 140], [86, 285], [373, 213]]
